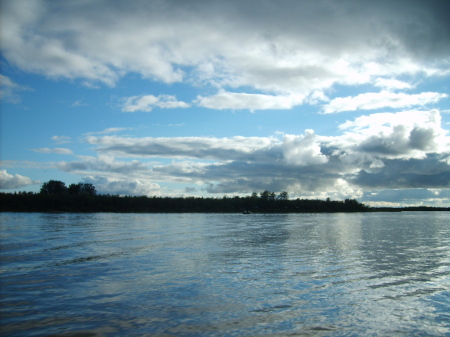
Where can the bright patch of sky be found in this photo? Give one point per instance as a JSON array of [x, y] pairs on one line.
[[320, 99]]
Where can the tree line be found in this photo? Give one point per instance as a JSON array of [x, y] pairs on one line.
[[55, 196], [59, 187]]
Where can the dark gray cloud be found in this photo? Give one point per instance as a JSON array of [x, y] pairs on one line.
[[402, 140], [405, 135], [106, 185], [431, 172], [104, 164], [424, 27]]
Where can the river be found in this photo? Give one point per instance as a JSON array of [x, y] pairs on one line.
[[340, 274]]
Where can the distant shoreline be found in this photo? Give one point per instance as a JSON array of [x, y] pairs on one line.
[[66, 203]]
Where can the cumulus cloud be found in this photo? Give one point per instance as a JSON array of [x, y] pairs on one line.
[[267, 46], [303, 150], [405, 135], [148, 102], [384, 99], [10, 181]]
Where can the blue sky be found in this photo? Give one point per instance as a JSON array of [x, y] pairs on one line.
[[345, 99]]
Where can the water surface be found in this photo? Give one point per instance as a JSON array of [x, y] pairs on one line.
[[362, 274]]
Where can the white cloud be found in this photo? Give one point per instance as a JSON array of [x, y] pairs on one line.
[[7, 82], [61, 139], [302, 150], [9, 89], [237, 101], [10, 181], [148, 102], [56, 150], [108, 130], [372, 101], [392, 84]]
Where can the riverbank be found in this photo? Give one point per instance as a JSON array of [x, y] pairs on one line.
[[37, 202]]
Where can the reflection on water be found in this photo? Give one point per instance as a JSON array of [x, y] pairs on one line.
[[379, 274]]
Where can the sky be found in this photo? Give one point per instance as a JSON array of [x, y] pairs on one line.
[[322, 99]]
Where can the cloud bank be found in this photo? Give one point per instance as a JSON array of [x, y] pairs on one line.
[[284, 51], [405, 150]]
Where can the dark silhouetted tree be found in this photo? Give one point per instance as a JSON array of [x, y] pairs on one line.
[[283, 196], [55, 196], [53, 187], [88, 189], [82, 188], [74, 189], [265, 195]]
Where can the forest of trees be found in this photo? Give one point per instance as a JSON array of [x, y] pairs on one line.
[[55, 196]]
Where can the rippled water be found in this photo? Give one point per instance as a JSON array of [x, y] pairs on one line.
[[370, 274]]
